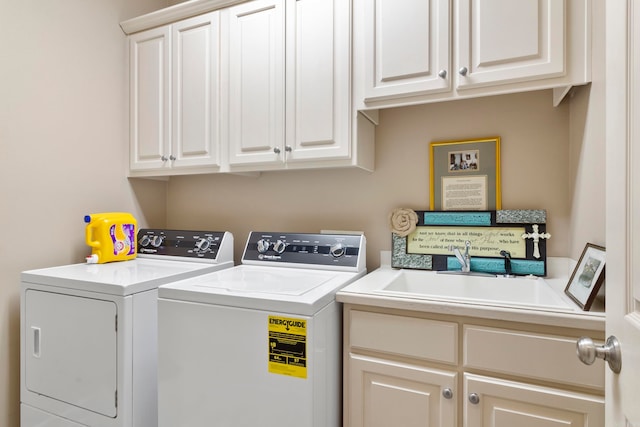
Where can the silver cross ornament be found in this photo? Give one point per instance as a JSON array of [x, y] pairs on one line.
[[536, 236]]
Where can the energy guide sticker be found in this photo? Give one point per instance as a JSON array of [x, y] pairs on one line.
[[288, 346]]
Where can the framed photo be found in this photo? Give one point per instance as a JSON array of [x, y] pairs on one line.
[[465, 175], [587, 277]]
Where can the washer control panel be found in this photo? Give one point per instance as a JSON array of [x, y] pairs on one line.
[[180, 243], [342, 250]]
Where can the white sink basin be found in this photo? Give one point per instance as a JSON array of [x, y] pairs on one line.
[[518, 291]]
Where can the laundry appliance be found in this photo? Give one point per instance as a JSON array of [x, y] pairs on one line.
[[258, 344], [88, 334]]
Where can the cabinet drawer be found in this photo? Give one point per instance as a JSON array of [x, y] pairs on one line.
[[406, 336], [539, 356]]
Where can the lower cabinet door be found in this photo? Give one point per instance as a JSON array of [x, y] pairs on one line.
[[385, 393], [491, 402], [70, 350]]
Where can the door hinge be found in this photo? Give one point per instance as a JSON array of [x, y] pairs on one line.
[[116, 398], [116, 323]]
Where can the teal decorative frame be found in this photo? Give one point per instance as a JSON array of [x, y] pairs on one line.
[[533, 221]]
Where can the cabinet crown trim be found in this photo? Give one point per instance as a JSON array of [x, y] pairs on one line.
[[174, 13]]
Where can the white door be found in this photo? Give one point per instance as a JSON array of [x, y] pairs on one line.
[[623, 211], [407, 48], [392, 393], [196, 91], [70, 350], [318, 72], [150, 127], [256, 83], [509, 41]]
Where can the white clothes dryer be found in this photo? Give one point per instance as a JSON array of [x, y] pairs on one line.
[[258, 344], [89, 331]]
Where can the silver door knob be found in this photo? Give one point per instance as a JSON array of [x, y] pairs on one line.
[[276, 150], [447, 393], [442, 74], [588, 352], [474, 398], [172, 157], [463, 71], [164, 158], [288, 148]]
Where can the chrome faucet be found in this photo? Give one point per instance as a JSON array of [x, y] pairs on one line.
[[464, 260]]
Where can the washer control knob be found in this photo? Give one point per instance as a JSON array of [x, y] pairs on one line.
[[203, 244], [337, 250], [263, 246], [145, 240], [279, 246], [156, 241]]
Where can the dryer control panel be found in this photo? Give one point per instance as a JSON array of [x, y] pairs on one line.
[[328, 250], [181, 243]]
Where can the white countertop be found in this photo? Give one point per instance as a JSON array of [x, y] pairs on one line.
[[369, 291]]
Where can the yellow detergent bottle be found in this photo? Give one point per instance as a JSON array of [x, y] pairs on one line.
[[112, 237]]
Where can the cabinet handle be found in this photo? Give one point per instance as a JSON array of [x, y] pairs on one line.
[[172, 157], [164, 158], [276, 150], [474, 398], [463, 71], [442, 74], [287, 148], [588, 352], [447, 393]]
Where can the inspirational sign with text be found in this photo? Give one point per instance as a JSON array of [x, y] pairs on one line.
[[484, 241]]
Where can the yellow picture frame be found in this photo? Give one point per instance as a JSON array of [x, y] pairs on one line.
[[465, 175]]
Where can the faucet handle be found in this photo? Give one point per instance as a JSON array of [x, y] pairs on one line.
[[507, 263]]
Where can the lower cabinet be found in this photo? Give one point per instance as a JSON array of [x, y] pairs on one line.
[[416, 369], [493, 402], [400, 394]]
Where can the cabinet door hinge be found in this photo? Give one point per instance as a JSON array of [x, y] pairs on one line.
[[116, 323]]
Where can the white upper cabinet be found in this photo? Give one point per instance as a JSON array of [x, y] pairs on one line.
[[251, 86], [412, 55], [506, 41], [196, 91], [256, 82], [150, 127], [174, 98], [318, 93], [407, 47], [290, 85]]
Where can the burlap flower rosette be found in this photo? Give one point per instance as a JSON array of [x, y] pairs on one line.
[[403, 221]]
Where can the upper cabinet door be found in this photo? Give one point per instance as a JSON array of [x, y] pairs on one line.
[[196, 91], [509, 41], [407, 47], [150, 131], [256, 83], [318, 79]]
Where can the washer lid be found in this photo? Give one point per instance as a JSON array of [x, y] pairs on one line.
[[119, 278], [299, 291]]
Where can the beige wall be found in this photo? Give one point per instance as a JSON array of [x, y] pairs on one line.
[[63, 136], [535, 165]]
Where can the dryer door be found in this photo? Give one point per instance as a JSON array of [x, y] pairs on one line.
[[70, 350]]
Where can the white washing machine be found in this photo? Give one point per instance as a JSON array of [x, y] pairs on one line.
[[259, 344], [89, 331]]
